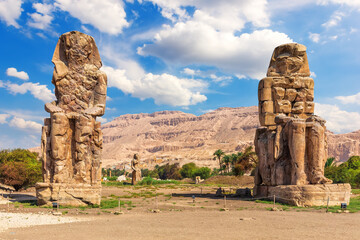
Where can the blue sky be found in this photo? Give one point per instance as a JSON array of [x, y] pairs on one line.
[[189, 55]]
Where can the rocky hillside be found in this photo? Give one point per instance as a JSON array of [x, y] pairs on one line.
[[183, 137], [179, 136]]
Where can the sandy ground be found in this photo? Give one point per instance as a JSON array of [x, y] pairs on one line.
[[180, 218], [202, 225]]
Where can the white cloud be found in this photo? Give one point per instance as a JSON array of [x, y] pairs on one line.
[[315, 37], [108, 98], [312, 74], [23, 124], [334, 37], [351, 3], [352, 99], [101, 119], [191, 72], [38, 91], [26, 114], [164, 89], [198, 43], [222, 80], [334, 20], [14, 73], [338, 121], [42, 18], [10, 11], [3, 118], [107, 16], [230, 15]]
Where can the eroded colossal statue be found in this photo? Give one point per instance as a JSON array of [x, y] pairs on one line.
[[72, 138], [291, 144]]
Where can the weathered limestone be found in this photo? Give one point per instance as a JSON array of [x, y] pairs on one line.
[[71, 140], [307, 195], [291, 144], [136, 173]]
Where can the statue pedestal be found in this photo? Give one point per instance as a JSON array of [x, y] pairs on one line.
[[306, 195], [68, 194]]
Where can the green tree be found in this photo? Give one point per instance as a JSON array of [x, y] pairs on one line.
[[245, 161], [19, 168], [168, 171], [330, 162], [219, 153], [354, 162], [203, 172], [227, 160], [188, 170]]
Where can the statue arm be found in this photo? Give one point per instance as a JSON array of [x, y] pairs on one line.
[[99, 97], [52, 108]]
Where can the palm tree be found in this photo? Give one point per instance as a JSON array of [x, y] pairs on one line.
[[227, 160], [247, 159], [330, 162], [219, 153]]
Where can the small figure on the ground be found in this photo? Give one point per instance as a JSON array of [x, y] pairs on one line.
[[136, 173]]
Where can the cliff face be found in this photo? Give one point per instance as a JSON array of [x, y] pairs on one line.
[[179, 136], [183, 137]]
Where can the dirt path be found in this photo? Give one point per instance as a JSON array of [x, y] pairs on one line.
[[201, 225]]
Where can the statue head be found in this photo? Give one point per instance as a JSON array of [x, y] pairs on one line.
[[289, 60], [75, 48], [136, 156]]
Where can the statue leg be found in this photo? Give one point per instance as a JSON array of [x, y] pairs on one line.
[[316, 147], [60, 147], [297, 142], [96, 146], [83, 136]]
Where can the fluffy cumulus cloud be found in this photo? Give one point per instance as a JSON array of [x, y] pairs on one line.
[[338, 121], [3, 118], [10, 11], [198, 43], [211, 35], [24, 124], [107, 16], [164, 89], [13, 72], [227, 15], [42, 18], [40, 92], [352, 99]]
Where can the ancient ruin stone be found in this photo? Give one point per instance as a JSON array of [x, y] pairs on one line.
[[291, 145], [71, 138], [136, 173]]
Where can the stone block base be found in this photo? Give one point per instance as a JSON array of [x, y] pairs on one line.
[[68, 194], [306, 195]]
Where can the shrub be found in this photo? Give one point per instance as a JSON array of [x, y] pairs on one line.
[[188, 170], [168, 171], [203, 172], [347, 172], [19, 168]]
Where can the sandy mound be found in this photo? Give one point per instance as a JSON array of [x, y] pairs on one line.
[[243, 181]]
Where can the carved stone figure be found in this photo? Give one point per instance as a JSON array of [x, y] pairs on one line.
[[291, 144], [71, 138], [136, 172]]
